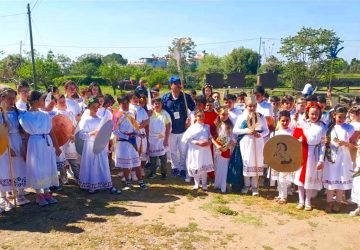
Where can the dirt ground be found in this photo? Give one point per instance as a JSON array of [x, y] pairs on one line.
[[172, 216]]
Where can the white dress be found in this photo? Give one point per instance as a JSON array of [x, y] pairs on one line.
[[140, 115], [221, 163], [20, 105], [355, 192], [5, 177], [16, 145], [94, 168], [198, 159], [248, 144], [234, 114], [126, 154], [73, 109], [40, 157], [338, 175], [314, 133], [157, 127]]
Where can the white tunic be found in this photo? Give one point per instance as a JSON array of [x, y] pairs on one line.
[[314, 133], [20, 105], [126, 155], [338, 175], [234, 114], [157, 127], [94, 168], [40, 157], [251, 148], [198, 159], [265, 109], [140, 115]]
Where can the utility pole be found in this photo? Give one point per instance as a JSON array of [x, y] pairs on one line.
[[32, 47], [259, 58]]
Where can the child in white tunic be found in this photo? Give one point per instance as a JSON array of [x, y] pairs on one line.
[[41, 152], [126, 129], [16, 147], [198, 158], [223, 143], [159, 132], [355, 192], [252, 144], [309, 177], [94, 168], [338, 164]]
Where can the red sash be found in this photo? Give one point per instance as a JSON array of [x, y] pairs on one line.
[[299, 133]]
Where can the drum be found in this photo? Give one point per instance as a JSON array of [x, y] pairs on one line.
[[283, 153], [62, 128], [103, 137]]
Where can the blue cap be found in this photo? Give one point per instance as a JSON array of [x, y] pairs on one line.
[[174, 79]]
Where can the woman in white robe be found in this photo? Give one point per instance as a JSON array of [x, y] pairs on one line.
[[41, 151], [199, 160]]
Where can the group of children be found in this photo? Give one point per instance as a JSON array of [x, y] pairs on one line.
[[223, 142]]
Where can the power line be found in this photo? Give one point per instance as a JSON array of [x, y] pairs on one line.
[[34, 5], [16, 14]]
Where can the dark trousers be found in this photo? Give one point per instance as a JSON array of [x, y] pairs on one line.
[[163, 161]]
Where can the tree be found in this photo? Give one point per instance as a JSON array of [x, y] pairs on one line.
[[158, 76], [354, 66], [241, 60], [65, 63], [118, 58], [87, 64], [210, 64], [182, 51], [9, 66], [272, 64], [312, 48]]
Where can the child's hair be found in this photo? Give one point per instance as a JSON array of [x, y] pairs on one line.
[[35, 96], [287, 99], [242, 94], [313, 105], [193, 92], [215, 92], [123, 98], [355, 109], [85, 90], [23, 84], [68, 83], [210, 100], [229, 97], [52, 89], [100, 96], [95, 84], [284, 113], [274, 98], [108, 99], [311, 98], [207, 85], [60, 97], [266, 95], [200, 99], [198, 111], [158, 99], [321, 99], [228, 124], [133, 93]]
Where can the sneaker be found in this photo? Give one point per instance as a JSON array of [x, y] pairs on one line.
[[183, 174], [41, 201], [195, 187], [175, 172], [282, 201], [142, 185], [245, 190], [128, 185], [6, 205], [308, 208], [188, 179], [50, 199], [300, 206], [151, 176], [163, 176], [255, 192], [114, 190], [21, 200], [356, 212]]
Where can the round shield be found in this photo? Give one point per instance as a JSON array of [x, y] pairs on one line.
[[62, 128], [79, 143], [4, 139], [283, 153], [103, 137]]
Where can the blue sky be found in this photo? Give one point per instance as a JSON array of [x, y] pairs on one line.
[[140, 28]]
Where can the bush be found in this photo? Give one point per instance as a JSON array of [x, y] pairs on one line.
[[250, 81], [79, 80]]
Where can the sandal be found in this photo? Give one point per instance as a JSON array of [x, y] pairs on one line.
[[114, 190], [300, 206]]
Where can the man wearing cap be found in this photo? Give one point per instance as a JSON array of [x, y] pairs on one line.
[[174, 103]]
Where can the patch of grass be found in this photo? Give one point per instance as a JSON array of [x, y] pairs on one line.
[[267, 248], [226, 210], [172, 210], [313, 224], [220, 199], [192, 227], [190, 197], [248, 219], [293, 248]]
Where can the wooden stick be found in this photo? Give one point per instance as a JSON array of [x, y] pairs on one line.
[[11, 167]]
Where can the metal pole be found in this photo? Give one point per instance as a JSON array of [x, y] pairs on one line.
[[259, 58], [32, 48]]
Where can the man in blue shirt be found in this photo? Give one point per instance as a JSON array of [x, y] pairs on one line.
[[141, 89], [174, 103]]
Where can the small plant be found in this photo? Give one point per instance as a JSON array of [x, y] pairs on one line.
[[226, 210]]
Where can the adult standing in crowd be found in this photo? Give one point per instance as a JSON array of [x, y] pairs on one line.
[[174, 103], [141, 89]]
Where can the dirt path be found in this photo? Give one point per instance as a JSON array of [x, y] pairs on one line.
[[172, 216]]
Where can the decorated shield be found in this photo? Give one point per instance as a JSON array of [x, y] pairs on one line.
[[79, 143], [4, 139], [283, 153], [62, 128], [103, 137]]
